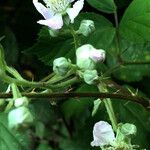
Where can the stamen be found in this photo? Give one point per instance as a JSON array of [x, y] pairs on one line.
[[57, 6]]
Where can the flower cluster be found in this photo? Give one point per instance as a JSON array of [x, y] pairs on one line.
[[55, 10]]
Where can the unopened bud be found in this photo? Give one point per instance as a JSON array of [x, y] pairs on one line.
[[88, 56], [90, 76], [128, 129], [86, 27], [61, 66]]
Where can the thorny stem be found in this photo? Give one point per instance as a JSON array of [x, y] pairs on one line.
[[54, 79], [140, 100]]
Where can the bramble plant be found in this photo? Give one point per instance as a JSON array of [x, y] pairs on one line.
[[96, 68]]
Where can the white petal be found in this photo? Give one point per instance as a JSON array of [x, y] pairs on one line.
[[103, 134], [98, 55], [45, 12], [55, 22], [73, 12]]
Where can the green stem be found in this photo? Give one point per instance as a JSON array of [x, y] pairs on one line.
[[48, 77], [58, 78], [2, 60], [15, 91], [14, 73], [109, 107], [45, 85], [75, 38]]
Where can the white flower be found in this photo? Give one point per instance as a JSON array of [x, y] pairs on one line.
[[54, 11], [103, 134]]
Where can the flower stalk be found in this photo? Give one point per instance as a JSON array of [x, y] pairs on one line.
[[109, 107]]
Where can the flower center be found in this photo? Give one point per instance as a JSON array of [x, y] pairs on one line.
[[57, 6]]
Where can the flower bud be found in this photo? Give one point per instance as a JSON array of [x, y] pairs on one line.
[[61, 66], [125, 132], [128, 129], [90, 76], [19, 117], [88, 56], [86, 27], [22, 101]]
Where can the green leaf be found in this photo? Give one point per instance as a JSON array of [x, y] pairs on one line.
[[48, 48], [107, 6], [132, 53], [135, 24], [96, 106]]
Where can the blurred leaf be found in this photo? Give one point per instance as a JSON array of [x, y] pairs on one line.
[[10, 140], [1, 38], [44, 146], [135, 24], [3, 86], [42, 111], [40, 129], [107, 6], [10, 46]]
